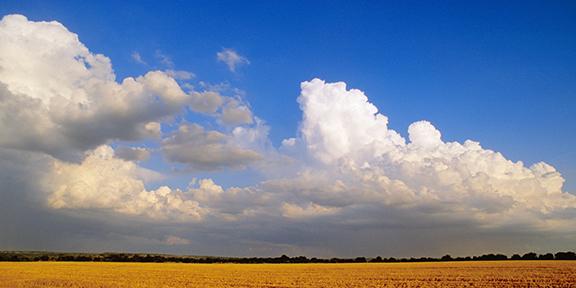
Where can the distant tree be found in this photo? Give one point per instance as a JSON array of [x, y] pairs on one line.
[[299, 259], [377, 259], [565, 256], [501, 257], [530, 256], [128, 257], [547, 256], [446, 258]]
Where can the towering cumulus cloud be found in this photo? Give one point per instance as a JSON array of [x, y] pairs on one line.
[[338, 122], [373, 164]]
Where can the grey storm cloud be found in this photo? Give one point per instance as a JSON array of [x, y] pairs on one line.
[[207, 150]]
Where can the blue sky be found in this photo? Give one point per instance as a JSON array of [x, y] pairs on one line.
[[498, 73]]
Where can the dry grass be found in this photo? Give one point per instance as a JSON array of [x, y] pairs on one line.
[[445, 274]]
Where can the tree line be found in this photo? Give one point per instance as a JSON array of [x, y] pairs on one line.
[[18, 256]]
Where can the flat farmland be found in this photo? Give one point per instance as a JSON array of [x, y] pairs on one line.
[[439, 274]]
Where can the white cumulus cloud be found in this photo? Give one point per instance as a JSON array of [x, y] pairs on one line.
[[236, 113], [338, 122], [206, 102], [58, 97], [369, 164], [103, 181]]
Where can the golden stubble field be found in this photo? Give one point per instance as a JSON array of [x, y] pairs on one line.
[[444, 274]]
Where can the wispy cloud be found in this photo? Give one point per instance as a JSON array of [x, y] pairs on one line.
[[180, 74], [232, 59], [164, 59], [138, 58]]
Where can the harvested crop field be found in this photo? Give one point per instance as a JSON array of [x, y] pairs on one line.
[[440, 274]]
